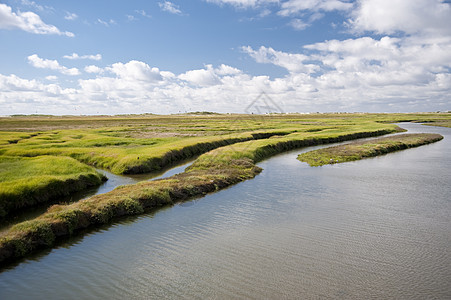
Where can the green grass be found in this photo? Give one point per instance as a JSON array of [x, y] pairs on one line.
[[25, 182], [359, 150], [145, 143], [212, 171], [232, 145], [441, 123], [123, 155]]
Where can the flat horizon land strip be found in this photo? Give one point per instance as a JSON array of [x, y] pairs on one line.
[[360, 150], [129, 142]]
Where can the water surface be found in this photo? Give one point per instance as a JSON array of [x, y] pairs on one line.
[[375, 228]]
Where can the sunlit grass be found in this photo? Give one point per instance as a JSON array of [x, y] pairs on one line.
[[28, 181], [234, 144], [359, 150]]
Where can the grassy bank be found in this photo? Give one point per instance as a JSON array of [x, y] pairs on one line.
[[443, 123], [141, 144], [26, 182], [212, 171], [123, 155], [359, 150]]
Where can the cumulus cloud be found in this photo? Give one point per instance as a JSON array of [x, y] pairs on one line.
[[406, 71], [409, 16], [170, 7], [405, 68], [369, 62], [135, 71], [27, 21], [362, 74], [227, 70], [40, 63], [294, 63], [93, 69], [76, 56], [24, 89], [202, 77]]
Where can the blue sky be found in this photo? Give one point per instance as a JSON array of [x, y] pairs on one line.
[[113, 57]]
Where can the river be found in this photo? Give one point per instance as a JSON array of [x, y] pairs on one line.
[[375, 228]]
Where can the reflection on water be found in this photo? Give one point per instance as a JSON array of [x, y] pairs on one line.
[[375, 228]]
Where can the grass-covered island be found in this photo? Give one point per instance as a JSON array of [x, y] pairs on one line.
[[359, 150]]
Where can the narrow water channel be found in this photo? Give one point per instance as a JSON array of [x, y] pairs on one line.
[[376, 228]]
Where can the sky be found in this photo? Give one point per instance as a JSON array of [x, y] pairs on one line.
[[130, 57]]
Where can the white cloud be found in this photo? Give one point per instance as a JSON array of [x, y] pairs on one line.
[[409, 16], [170, 7], [27, 21], [131, 18], [210, 76], [15, 83], [406, 73], [19, 90], [143, 13], [70, 16], [51, 78], [367, 63], [294, 63], [264, 13], [34, 5], [76, 56], [243, 3], [202, 77], [294, 7], [298, 24], [227, 70], [93, 69], [106, 23], [40, 63], [135, 70]]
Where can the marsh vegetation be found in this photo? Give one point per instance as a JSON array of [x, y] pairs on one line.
[[359, 150], [230, 145]]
